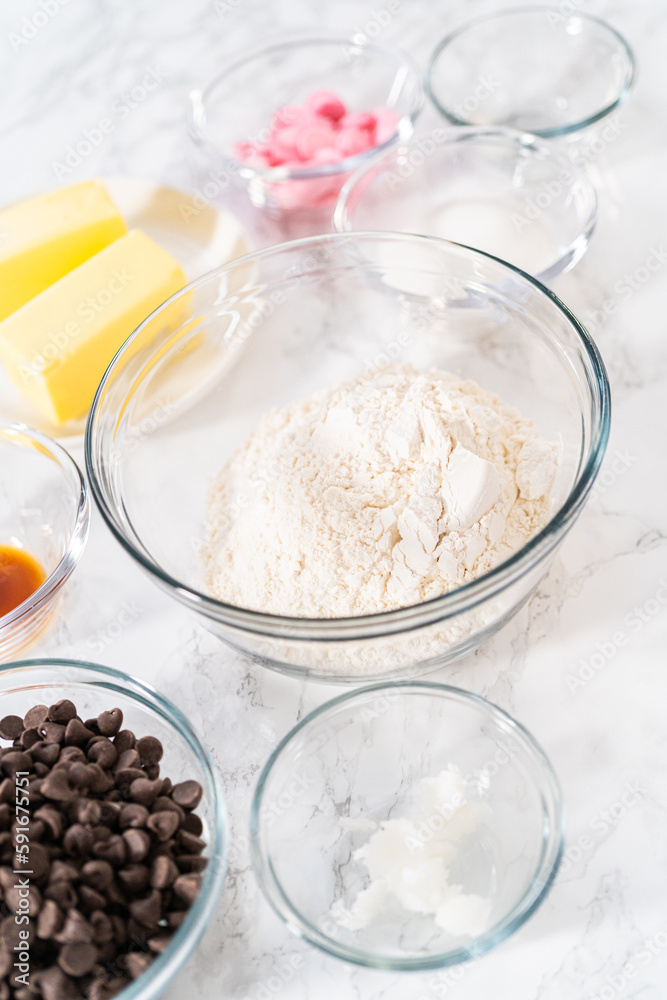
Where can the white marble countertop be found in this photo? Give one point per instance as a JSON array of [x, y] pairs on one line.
[[596, 703]]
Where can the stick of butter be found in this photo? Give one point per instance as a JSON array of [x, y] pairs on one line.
[[43, 238], [57, 347]]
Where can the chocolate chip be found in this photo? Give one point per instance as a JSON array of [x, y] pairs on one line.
[[46, 753], [63, 870], [109, 723], [75, 928], [163, 824], [29, 737], [147, 911], [145, 791], [164, 871], [128, 758], [100, 781], [190, 843], [103, 753], [62, 711], [40, 861], [150, 750], [35, 717], [110, 811], [78, 840], [50, 919], [63, 893], [90, 900], [88, 811], [53, 819], [98, 874], [132, 815], [79, 775], [56, 786], [77, 959], [106, 989], [15, 761], [159, 943], [125, 778], [191, 862], [134, 878], [102, 927], [11, 727], [176, 918], [138, 844], [76, 733], [193, 824], [53, 732], [124, 740], [113, 850], [187, 887], [6, 961], [187, 794], [55, 985], [137, 963]]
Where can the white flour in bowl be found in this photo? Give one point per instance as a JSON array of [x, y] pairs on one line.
[[376, 494]]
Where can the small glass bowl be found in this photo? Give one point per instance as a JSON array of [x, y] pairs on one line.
[[238, 105], [44, 509], [495, 189], [93, 689], [359, 758], [537, 69], [278, 325]]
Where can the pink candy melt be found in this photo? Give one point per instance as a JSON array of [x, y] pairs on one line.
[[321, 132]]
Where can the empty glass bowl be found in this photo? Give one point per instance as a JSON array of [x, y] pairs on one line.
[[44, 511], [193, 381], [239, 103], [93, 689], [539, 69], [495, 189], [358, 761]]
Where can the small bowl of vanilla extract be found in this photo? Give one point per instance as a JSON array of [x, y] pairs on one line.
[[44, 518]]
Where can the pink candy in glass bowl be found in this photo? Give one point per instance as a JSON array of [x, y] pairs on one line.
[[292, 120]]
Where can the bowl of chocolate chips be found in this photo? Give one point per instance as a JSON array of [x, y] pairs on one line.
[[113, 834]]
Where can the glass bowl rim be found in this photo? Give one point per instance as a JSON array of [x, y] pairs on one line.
[[552, 131], [513, 138], [197, 100], [401, 619], [78, 532], [165, 966], [538, 888]]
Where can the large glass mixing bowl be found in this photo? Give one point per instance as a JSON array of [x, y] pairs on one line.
[[193, 381]]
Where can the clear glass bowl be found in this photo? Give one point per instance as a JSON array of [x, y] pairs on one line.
[[360, 757], [93, 689], [283, 322], [238, 105], [44, 509], [497, 190], [539, 69]]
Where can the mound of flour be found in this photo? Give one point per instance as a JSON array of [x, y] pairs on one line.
[[375, 494]]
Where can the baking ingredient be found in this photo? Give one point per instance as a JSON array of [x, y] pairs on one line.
[[20, 576], [379, 493], [46, 237], [57, 347], [318, 133], [100, 853], [409, 861]]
